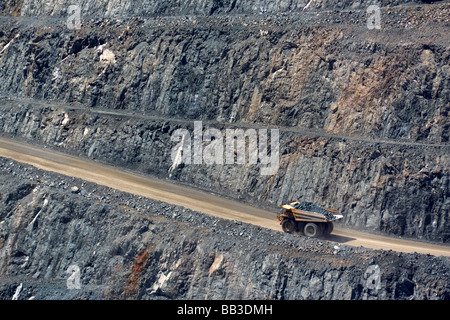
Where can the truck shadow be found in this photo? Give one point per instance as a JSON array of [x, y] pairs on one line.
[[337, 238]]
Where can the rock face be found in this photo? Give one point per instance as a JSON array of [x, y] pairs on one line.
[[287, 70], [121, 8], [363, 114], [103, 244]]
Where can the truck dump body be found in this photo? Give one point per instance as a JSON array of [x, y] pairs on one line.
[[322, 214]]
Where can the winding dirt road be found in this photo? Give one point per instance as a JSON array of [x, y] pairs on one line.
[[145, 186]]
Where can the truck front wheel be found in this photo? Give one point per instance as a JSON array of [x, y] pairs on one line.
[[288, 225], [312, 230]]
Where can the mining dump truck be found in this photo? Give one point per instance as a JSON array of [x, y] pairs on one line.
[[309, 218]]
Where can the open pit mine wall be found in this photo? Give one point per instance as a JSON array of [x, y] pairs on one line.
[[150, 8], [351, 87]]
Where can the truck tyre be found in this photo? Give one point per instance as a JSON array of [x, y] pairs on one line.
[[312, 230], [288, 225], [328, 228]]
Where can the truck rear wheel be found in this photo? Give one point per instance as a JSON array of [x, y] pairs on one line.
[[312, 230], [328, 228], [288, 225]]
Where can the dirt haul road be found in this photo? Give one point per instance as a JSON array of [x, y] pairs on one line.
[[145, 186]]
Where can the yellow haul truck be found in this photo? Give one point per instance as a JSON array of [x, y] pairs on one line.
[[313, 220]]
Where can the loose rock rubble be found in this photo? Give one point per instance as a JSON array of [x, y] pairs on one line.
[[309, 206]]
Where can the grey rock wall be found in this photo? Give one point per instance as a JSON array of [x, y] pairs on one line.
[[286, 71], [123, 8]]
